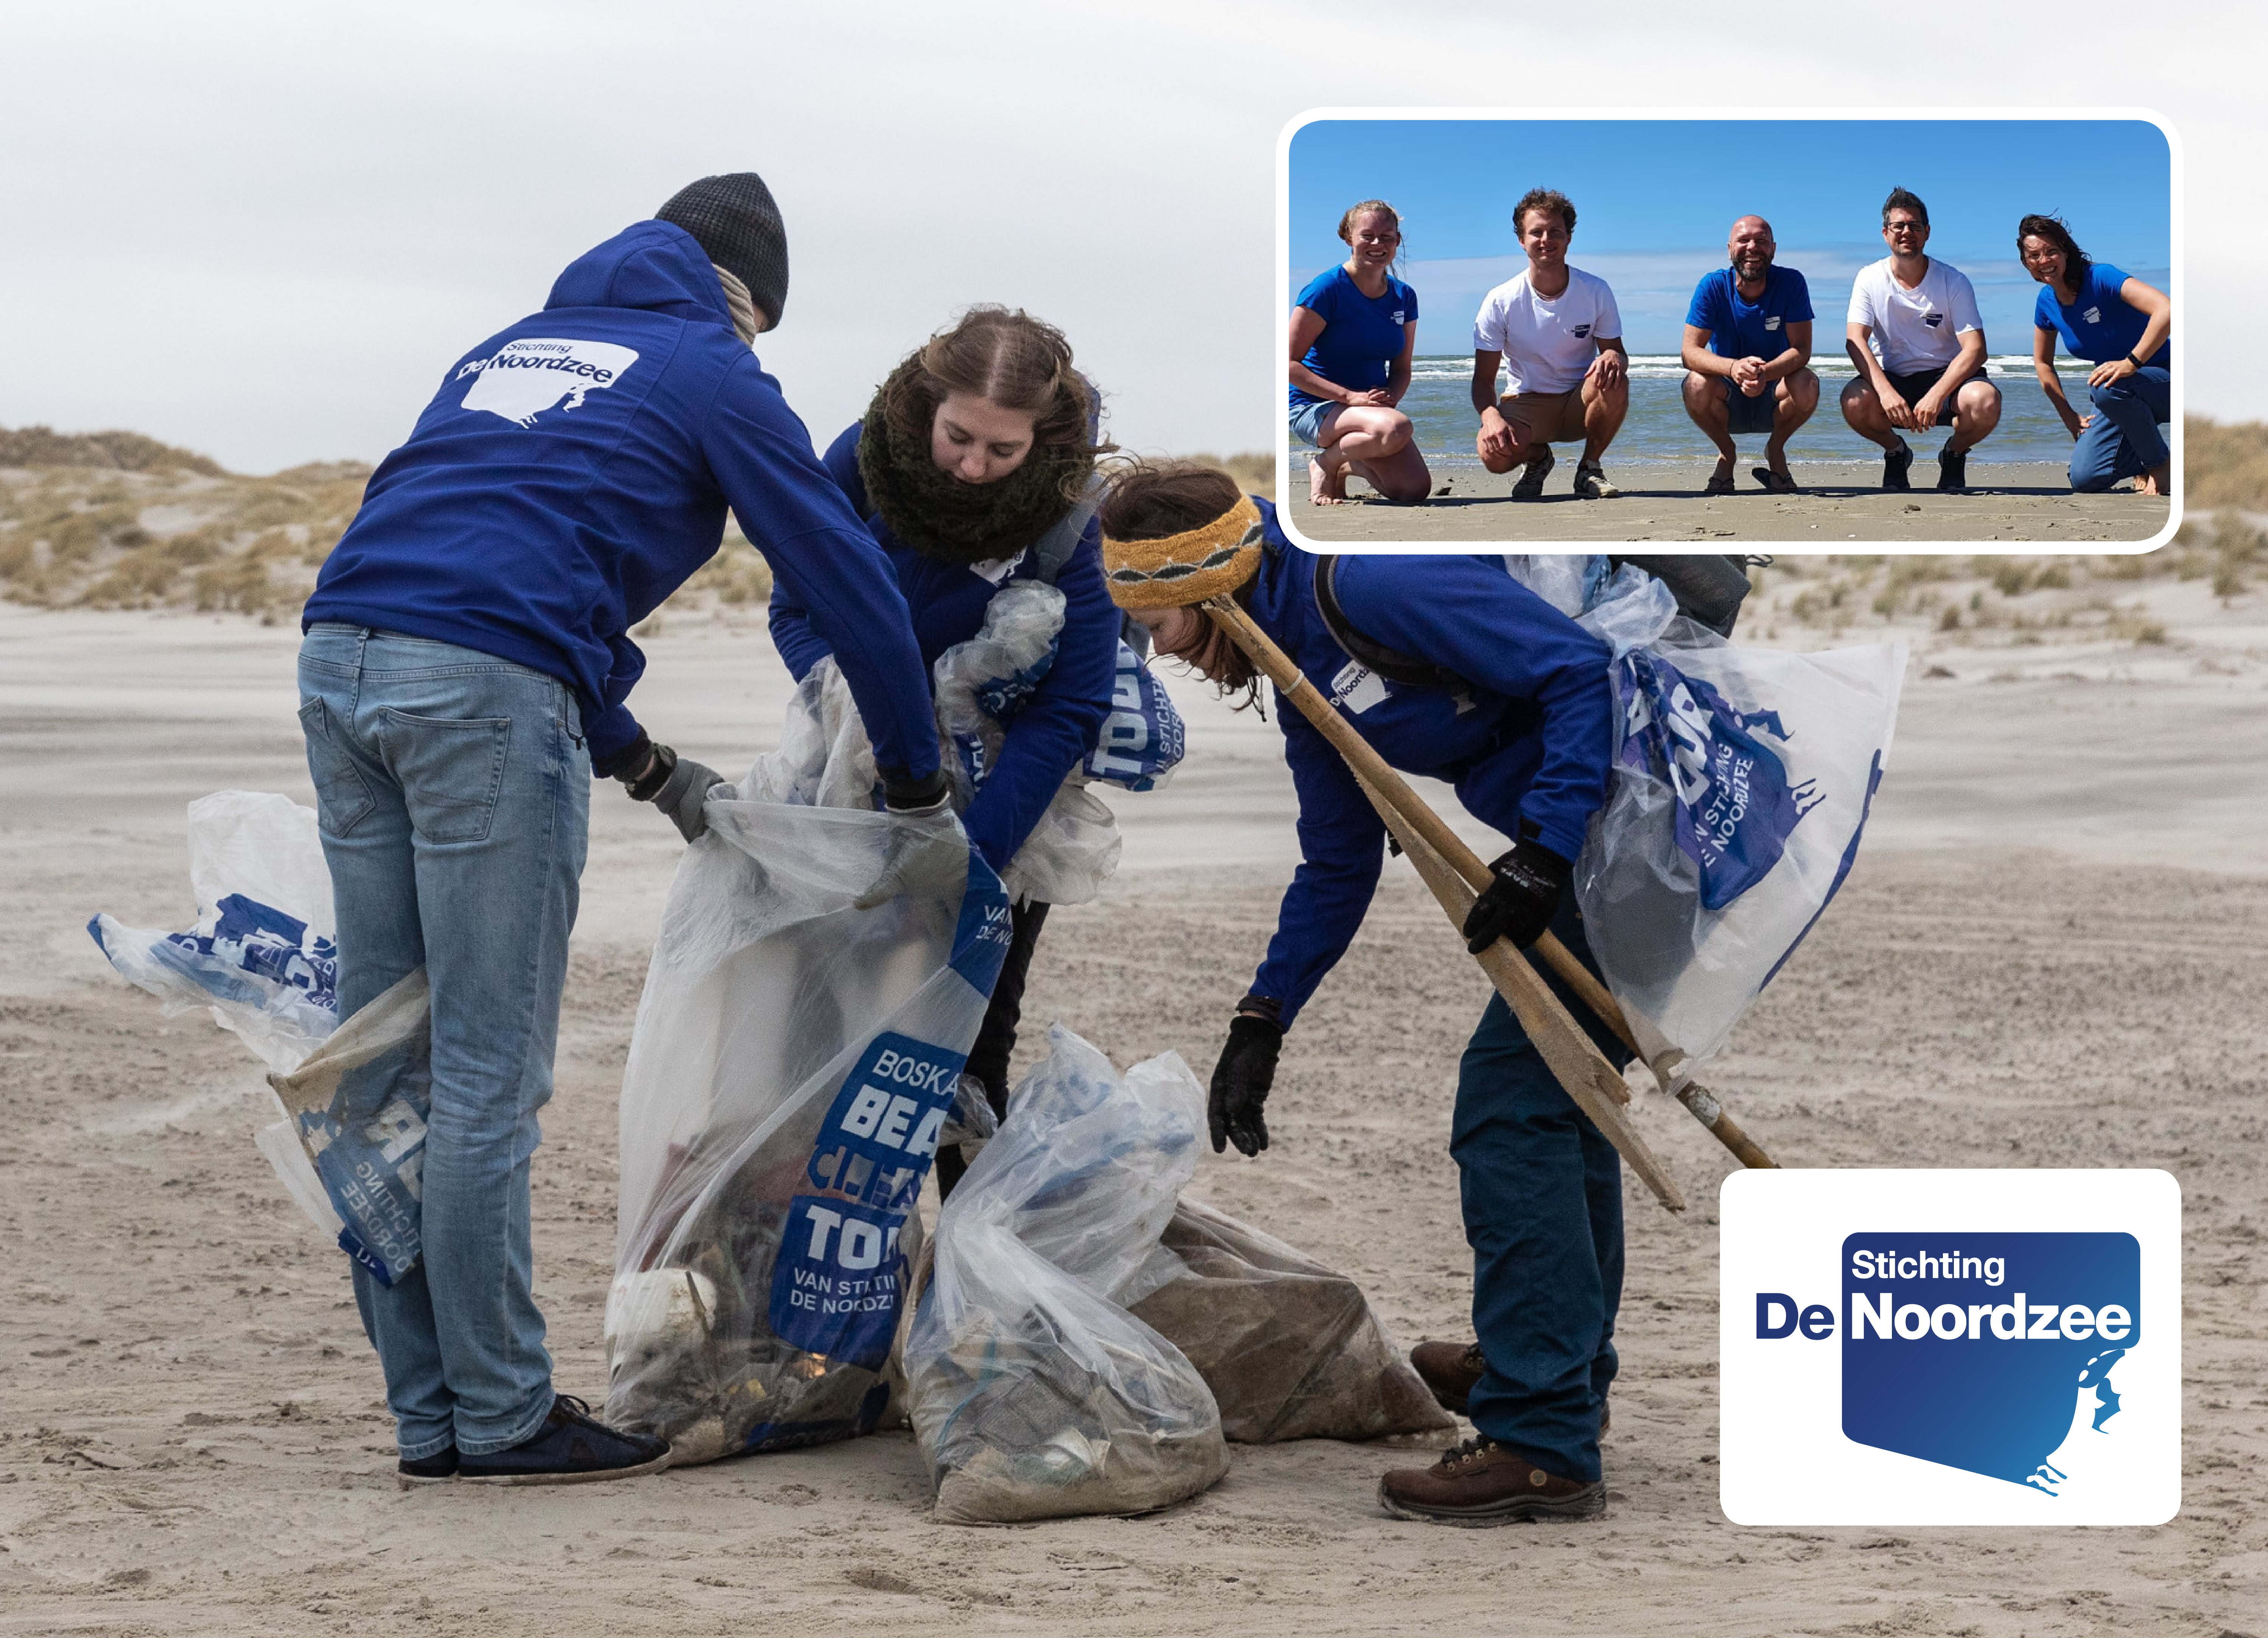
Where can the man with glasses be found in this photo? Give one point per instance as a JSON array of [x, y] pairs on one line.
[[1915, 334]]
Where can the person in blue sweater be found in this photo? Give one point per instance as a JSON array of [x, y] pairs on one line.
[[973, 466], [1354, 333], [464, 671], [2122, 327], [1448, 668]]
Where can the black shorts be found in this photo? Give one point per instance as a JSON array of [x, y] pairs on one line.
[[1910, 387], [1745, 414]]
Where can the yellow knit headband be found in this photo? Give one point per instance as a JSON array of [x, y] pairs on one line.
[[1186, 568]]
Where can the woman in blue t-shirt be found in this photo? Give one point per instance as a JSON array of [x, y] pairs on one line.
[[2119, 325], [1354, 330]]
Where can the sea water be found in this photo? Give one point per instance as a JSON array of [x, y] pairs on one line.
[[1658, 429]]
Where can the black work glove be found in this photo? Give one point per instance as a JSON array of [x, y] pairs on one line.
[[1520, 903], [676, 785], [1240, 1082]]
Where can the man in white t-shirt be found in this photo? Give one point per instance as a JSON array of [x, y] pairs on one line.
[[1920, 346], [1555, 331]]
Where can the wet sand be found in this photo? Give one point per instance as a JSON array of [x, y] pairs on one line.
[[2013, 503], [193, 1439]]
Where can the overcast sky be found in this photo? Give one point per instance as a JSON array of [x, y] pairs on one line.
[[262, 230]]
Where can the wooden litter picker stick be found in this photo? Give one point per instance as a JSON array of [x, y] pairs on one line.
[[1595, 1084]]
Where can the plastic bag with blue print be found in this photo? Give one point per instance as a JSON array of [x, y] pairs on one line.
[[262, 961], [791, 1069]]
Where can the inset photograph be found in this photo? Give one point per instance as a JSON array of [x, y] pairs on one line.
[[1802, 331]]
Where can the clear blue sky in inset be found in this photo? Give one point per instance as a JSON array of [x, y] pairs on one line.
[[1653, 199]]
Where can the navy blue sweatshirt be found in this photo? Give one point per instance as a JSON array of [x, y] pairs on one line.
[[1527, 746], [574, 469], [1053, 730]]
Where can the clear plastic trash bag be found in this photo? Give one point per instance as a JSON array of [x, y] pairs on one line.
[[1033, 1393], [790, 1071], [262, 960], [1742, 780], [1290, 1348]]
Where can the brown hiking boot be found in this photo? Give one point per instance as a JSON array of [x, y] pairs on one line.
[[1480, 1483], [1449, 1369]]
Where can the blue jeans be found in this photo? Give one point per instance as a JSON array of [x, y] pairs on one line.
[[455, 795], [2122, 440], [1543, 1200]]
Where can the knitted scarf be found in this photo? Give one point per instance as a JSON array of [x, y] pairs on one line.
[[942, 517]]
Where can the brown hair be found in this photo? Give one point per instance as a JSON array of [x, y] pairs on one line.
[[1543, 199], [1368, 207], [1149, 500], [2075, 260], [1007, 356], [1905, 199]]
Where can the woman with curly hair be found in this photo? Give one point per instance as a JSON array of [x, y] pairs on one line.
[[973, 467], [2119, 325]]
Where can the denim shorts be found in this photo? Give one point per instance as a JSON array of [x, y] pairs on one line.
[[1306, 421], [1751, 415]]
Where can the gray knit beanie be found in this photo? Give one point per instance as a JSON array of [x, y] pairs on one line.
[[733, 219]]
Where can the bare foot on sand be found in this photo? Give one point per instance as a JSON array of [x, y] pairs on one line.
[[2157, 480], [1325, 486]]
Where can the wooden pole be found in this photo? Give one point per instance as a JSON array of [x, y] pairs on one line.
[[1595, 1084]]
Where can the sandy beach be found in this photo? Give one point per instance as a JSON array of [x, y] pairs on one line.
[[2051, 953], [2017, 503]]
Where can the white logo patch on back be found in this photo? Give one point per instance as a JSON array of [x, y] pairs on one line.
[[1357, 688], [525, 378]]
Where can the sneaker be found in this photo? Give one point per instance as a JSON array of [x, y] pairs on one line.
[[1449, 1370], [1480, 1483], [1530, 486], [572, 1447], [1896, 465], [1591, 482], [427, 1470], [1952, 468]]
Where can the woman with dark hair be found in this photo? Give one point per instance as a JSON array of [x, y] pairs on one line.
[[2119, 325], [973, 467], [1448, 668], [1354, 332]]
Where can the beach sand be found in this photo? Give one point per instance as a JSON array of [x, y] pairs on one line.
[[2051, 953], [2013, 502]]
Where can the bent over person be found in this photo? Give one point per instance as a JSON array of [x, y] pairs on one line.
[[464, 673], [1451, 668]]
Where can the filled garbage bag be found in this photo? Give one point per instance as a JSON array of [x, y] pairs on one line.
[[1290, 1348], [350, 1146], [792, 1065], [1033, 1393], [983, 683]]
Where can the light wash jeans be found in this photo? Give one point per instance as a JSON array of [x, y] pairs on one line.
[[454, 792], [2122, 440]]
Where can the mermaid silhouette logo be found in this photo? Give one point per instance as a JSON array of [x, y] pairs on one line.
[[1990, 1353], [523, 379]]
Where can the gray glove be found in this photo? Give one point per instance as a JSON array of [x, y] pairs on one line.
[[678, 786], [927, 854]]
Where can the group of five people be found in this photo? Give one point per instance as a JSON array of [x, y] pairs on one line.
[[1912, 332], [464, 674]]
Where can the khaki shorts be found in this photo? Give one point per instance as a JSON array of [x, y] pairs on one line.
[[1546, 417]]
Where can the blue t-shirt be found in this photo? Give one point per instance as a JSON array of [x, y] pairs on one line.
[[1741, 328], [2100, 325], [1362, 335]]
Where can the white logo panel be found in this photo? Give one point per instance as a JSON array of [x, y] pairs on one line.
[[525, 378]]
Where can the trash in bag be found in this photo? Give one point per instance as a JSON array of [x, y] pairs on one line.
[[790, 1071], [1033, 1390], [1743, 780], [981, 685], [262, 959], [1290, 1348]]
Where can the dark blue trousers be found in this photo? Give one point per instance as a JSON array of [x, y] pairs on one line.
[[1543, 1212], [2124, 439]]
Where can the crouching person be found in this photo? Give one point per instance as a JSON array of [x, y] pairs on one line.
[[463, 675], [1448, 668]]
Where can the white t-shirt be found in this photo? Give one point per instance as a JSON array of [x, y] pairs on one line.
[[1919, 329], [1547, 342]]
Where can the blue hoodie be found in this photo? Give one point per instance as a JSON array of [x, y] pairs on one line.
[[1053, 729], [574, 469], [1527, 746]]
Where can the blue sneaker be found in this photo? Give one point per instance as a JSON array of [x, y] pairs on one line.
[[430, 1470], [572, 1447]]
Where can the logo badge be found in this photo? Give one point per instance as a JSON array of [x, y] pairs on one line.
[[1951, 1348], [523, 379]]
